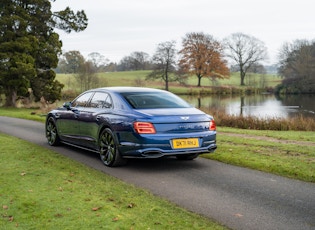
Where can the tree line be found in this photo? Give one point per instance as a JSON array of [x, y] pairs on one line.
[[30, 53], [201, 56]]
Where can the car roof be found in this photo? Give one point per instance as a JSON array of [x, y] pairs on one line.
[[122, 89]]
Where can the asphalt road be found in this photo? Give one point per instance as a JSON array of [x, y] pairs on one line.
[[237, 197]]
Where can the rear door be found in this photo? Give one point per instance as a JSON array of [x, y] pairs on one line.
[[89, 119]]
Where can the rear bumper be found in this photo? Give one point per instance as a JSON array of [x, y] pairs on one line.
[[153, 151], [156, 146]]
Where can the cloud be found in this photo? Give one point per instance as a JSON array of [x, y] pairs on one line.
[[117, 28]]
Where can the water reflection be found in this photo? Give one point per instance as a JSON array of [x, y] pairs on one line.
[[263, 106]]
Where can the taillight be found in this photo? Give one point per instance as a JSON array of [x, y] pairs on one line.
[[212, 126], [144, 127]]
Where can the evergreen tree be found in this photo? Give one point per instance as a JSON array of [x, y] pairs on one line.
[[29, 47]]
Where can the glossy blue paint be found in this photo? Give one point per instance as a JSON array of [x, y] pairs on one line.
[[82, 121]]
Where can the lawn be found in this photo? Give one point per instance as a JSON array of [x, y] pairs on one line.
[[41, 189], [137, 78], [285, 153]]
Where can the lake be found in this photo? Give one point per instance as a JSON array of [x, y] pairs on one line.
[[262, 106]]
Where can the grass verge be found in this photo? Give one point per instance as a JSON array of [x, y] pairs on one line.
[[285, 153], [23, 113], [41, 189]]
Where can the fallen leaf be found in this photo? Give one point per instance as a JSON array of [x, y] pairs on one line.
[[58, 215], [5, 207], [238, 215], [115, 219], [95, 208], [131, 205], [23, 173]]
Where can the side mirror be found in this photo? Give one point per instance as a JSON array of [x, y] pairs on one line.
[[67, 105]]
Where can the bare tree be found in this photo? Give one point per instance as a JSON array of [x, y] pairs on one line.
[[87, 76], [99, 61], [245, 51], [164, 62], [139, 60], [125, 64], [297, 67], [202, 56], [84, 71], [135, 61]]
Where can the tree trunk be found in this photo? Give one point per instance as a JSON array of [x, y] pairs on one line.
[[199, 80], [166, 81], [242, 77], [10, 98]]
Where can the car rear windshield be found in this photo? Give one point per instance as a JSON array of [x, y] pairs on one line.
[[154, 100]]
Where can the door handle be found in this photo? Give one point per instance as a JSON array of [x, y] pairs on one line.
[[98, 118]]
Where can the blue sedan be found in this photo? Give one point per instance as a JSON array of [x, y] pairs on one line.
[[132, 122]]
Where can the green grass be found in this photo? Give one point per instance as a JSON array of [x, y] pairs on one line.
[[136, 78], [285, 153], [30, 114], [126, 78], [41, 189], [281, 135], [255, 80]]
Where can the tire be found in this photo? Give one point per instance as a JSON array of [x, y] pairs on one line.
[[109, 153], [187, 156], [52, 133]]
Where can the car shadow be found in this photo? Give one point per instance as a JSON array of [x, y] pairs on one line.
[[164, 164]]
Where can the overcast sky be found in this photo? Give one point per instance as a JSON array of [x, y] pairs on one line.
[[119, 27]]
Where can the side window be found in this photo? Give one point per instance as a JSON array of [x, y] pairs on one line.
[[82, 100], [108, 102], [101, 100]]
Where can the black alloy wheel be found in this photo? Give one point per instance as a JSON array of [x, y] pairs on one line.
[[109, 153], [51, 132]]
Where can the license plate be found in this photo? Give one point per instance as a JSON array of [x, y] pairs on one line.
[[185, 143]]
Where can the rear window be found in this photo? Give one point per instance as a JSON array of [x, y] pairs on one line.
[[154, 100]]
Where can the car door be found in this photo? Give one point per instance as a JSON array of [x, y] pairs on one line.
[[68, 119], [89, 119]]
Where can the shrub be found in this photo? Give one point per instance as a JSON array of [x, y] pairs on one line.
[[299, 123], [68, 94]]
